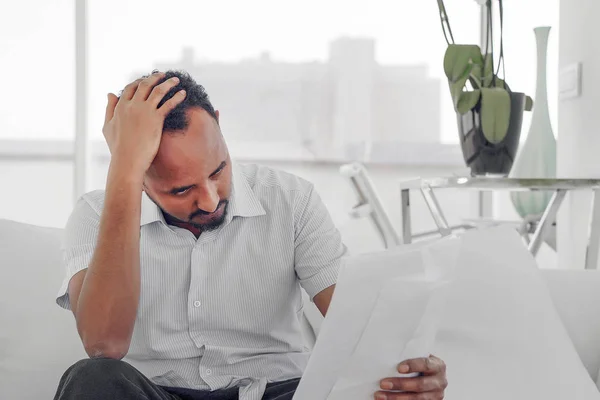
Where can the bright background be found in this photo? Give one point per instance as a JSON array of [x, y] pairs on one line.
[[271, 48]]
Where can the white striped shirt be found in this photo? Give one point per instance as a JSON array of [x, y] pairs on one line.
[[223, 310]]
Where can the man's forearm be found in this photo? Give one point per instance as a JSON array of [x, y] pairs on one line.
[[109, 297]]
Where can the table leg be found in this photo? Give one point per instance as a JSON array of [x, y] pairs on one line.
[[486, 204], [548, 218], [591, 256], [406, 228], [436, 211]]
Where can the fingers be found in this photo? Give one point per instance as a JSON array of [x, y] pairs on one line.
[[146, 85], [130, 89], [427, 365], [409, 396], [418, 384], [148, 89], [172, 103], [110, 107], [430, 385], [159, 91]]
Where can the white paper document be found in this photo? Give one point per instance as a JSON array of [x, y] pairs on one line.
[[382, 313], [476, 301]]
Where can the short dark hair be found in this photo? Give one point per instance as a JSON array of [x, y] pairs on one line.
[[196, 96]]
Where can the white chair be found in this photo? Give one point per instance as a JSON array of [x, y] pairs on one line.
[[369, 205]]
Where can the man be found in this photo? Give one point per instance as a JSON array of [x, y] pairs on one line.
[[189, 266]]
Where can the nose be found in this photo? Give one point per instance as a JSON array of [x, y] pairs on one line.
[[208, 199]]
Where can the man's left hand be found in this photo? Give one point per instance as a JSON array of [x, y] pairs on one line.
[[429, 385]]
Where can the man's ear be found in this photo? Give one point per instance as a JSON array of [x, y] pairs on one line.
[[217, 114]]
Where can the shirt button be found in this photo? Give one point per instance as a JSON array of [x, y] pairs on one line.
[[208, 372], [197, 303]]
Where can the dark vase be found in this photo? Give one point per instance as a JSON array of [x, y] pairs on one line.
[[482, 156]]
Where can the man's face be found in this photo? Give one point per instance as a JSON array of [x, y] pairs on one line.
[[190, 178]]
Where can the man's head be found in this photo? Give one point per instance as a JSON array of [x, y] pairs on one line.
[[190, 178]]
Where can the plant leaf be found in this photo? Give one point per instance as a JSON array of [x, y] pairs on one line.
[[464, 100], [495, 113], [528, 103], [456, 88], [457, 59], [475, 82], [477, 72], [488, 70], [467, 101]]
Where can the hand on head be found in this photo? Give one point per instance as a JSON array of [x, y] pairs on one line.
[[133, 123]]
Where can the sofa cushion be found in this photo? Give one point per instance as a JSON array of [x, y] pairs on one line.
[[38, 340]]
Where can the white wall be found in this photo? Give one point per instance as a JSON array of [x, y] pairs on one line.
[[579, 120]]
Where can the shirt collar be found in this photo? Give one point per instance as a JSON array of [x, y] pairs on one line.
[[242, 201], [150, 211]]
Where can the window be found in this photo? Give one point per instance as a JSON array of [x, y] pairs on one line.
[[37, 115], [311, 77], [38, 66], [311, 80]]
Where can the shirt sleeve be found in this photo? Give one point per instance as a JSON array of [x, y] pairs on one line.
[[80, 237], [318, 245]]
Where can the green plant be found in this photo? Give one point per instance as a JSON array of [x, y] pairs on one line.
[[474, 80]]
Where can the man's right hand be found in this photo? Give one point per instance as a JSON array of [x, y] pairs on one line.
[[133, 124]]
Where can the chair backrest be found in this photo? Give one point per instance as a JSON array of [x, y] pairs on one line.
[[369, 204]]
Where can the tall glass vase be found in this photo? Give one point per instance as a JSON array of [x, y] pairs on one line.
[[537, 157]]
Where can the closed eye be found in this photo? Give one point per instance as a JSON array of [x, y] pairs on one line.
[[218, 170], [216, 173], [180, 191]]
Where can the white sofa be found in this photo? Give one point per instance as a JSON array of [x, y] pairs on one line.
[[38, 340]]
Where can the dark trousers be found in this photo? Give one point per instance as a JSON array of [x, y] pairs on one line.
[[104, 378]]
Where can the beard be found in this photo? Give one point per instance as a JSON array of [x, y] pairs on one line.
[[210, 225], [213, 223]]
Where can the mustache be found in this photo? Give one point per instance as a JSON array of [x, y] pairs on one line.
[[203, 213]]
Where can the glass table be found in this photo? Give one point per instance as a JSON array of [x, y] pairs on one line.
[[560, 187]]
